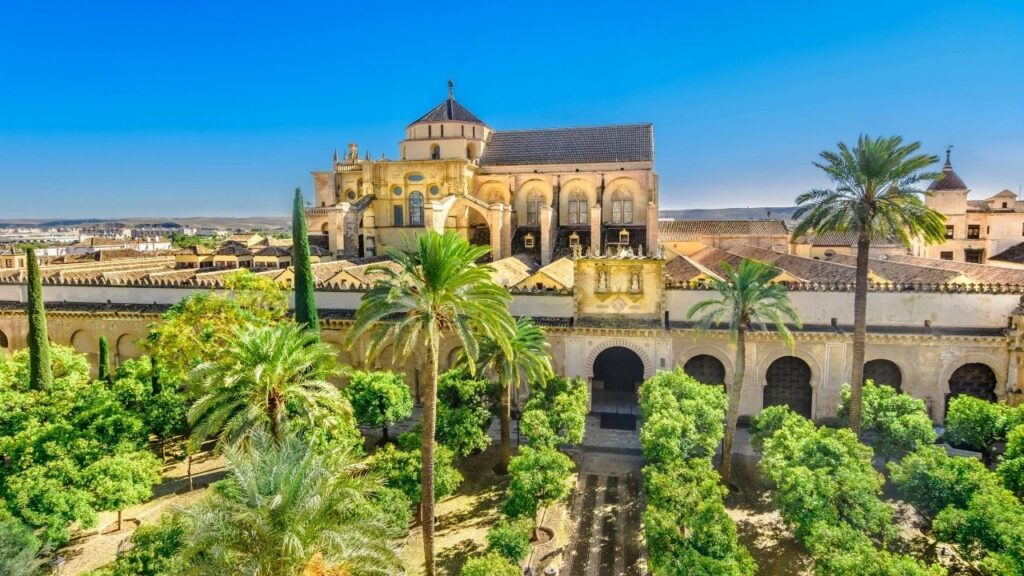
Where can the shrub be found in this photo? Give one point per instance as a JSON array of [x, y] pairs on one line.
[[510, 539], [537, 477], [899, 422], [400, 469], [378, 399], [931, 480], [464, 411], [990, 529], [770, 420], [153, 550], [556, 412], [975, 423], [824, 475], [686, 526], [396, 510], [682, 418], [491, 564], [842, 551], [1011, 469], [18, 546]]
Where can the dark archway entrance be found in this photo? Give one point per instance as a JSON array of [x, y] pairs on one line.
[[974, 379], [789, 384], [618, 373], [706, 369], [883, 371]]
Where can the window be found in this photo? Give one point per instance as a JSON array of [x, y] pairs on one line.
[[829, 254], [398, 219], [973, 232], [974, 256], [946, 255], [622, 211], [528, 241], [624, 236], [442, 130], [430, 131], [351, 194], [574, 240], [435, 152], [949, 231], [1005, 205], [415, 209], [415, 177], [397, 190], [434, 190], [533, 203], [577, 207]]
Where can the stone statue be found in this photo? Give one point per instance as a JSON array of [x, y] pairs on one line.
[[640, 251], [602, 282], [634, 284]]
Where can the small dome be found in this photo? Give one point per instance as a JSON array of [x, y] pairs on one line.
[[949, 180]]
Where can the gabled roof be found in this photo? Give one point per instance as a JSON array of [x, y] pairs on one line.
[[694, 229], [981, 273], [806, 269], [903, 273], [276, 251], [841, 239], [583, 145], [233, 249], [449, 111]]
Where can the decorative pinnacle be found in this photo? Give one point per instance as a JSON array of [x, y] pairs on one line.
[[451, 88], [949, 149]]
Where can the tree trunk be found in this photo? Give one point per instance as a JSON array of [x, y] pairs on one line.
[[860, 308], [120, 520], [735, 395], [274, 406], [163, 450], [505, 416], [427, 455], [384, 440], [188, 447]]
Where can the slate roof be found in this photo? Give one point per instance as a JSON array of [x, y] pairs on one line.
[[693, 229], [449, 110], [583, 145]]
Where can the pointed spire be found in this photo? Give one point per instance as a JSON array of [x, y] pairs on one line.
[[335, 155], [451, 88], [949, 150]]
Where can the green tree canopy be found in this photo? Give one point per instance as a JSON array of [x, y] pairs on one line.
[[682, 417], [378, 399], [538, 478], [464, 411], [898, 422], [490, 564], [122, 480]]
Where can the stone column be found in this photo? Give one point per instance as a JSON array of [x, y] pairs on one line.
[[496, 224], [547, 229], [506, 231], [595, 228], [652, 227]]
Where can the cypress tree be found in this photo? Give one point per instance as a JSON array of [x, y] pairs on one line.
[[305, 305], [40, 372], [104, 368]]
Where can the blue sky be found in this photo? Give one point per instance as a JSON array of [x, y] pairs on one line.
[[123, 109]]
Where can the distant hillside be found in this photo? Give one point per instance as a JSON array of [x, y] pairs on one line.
[[777, 213], [229, 223]]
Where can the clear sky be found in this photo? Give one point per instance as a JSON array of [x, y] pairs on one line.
[[116, 109]]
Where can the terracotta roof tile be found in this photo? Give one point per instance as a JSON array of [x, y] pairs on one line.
[[583, 145]]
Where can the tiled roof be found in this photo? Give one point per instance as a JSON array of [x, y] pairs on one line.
[[562, 271], [979, 272], [902, 273], [841, 239], [583, 145], [694, 229], [984, 206], [1012, 254], [513, 270], [233, 249], [449, 111], [196, 250], [806, 269], [681, 269], [278, 251], [713, 259]]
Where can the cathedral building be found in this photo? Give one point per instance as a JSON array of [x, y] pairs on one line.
[[538, 192]]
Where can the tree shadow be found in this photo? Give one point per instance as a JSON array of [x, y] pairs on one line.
[[451, 559]]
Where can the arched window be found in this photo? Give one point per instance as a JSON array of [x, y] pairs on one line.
[[415, 209], [578, 208], [4, 342], [883, 372], [435, 152], [397, 213], [533, 204], [622, 207]]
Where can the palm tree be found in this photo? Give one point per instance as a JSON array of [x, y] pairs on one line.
[[436, 289], [527, 357], [746, 296], [262, 369], [284, 507], [875, 197]]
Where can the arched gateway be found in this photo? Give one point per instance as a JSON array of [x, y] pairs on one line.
[[618, 372]]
